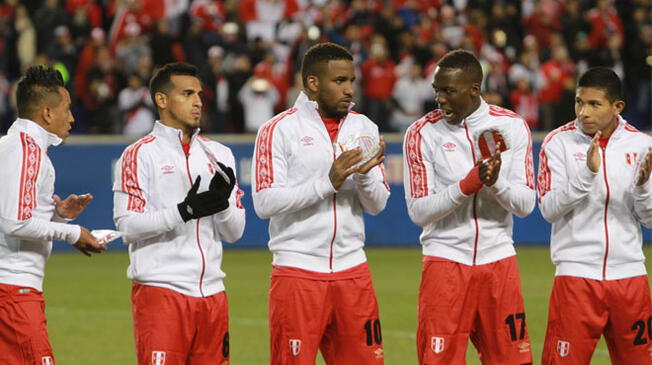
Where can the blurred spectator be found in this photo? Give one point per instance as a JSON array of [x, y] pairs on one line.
[[161, 44], [48, 17], [378, 80], [554, 74], [136, 108], [237, 77], [131, 48], [410, 94], [87, 59], [262, 16], [63, 50], [605, 23], [524, 101], [259, 97], [216, 91], [100, 101], [26, 37]]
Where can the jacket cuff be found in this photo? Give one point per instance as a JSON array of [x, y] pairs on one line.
[[585, 179], [500, 186], [324, 187], [73, 232]]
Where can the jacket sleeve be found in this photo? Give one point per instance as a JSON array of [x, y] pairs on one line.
[[558, 191], [514, 188], [373, 190], [643, 201], [130, 195], [19, 197], [270, 192], [231, 221], [425, 205]]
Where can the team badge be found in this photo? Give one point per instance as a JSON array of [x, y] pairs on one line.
[[631, 158], [295, 347], [563, 348], [47, 360], [158, 357], [437, 344]]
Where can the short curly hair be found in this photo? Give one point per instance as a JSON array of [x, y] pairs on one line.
[[463, 60], [318, 56], [39, 85], [161, 82]]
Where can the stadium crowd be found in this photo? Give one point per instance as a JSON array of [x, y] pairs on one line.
[[248, 52]]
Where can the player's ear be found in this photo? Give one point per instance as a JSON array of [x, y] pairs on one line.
[[46, 114], [161, 100], [618, 106], [475, 89], [312, 83]]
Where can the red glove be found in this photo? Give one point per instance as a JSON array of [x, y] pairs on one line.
[[471, 184]]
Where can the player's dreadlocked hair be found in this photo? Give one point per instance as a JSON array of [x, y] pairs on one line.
[[39, 85], [465, 61], [318, 56], [603, 78], [162, 80]]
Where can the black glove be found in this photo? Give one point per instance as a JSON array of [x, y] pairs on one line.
[[221, 186], [203, 204]]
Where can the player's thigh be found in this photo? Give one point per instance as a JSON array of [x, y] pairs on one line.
[[629, 330], [298, 309], [444, 313], [500, 330], [354, 335], [164, 325], [576, 320], [211, 342], [23, 334]]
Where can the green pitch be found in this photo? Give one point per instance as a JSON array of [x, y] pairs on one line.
[[89, 315]]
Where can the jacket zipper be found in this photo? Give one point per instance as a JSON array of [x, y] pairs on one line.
[[201, 251], [475, 197], [606, 207], [330, 256]]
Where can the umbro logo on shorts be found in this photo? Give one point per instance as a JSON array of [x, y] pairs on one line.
[[47, 360], [563, 348], [295, 347], [437, 344], [158, 357]]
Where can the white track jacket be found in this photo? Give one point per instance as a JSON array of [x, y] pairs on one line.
[[312, 226], [28, 220], [596, 232], [152, 176], [474, 229]]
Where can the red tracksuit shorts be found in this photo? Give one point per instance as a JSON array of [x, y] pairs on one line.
[[23, 334], [483, 303], [175, 329], [581, 310], [311, 311]]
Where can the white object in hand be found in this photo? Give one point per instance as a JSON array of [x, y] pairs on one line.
[[106, 235], [368, 145]]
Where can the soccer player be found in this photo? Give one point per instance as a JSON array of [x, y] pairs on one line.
[[175, 201], [595, 189], [32, 216], [464, 200], [313, 184]]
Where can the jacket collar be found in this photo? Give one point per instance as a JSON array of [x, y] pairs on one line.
[[170, 134], [475, 118], [309, 107], [614, 136], [43, 138]]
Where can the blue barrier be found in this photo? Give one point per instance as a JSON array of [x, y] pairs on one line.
[[87, 168]]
